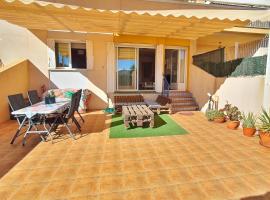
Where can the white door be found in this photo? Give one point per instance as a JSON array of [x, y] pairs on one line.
[[175, 67]]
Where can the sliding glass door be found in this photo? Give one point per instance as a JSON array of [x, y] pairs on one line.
[[126, 69], [135, 68]]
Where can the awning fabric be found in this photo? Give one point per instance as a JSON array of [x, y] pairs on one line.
[[185, 24]]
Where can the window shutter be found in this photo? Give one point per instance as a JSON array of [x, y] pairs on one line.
[[89, 54], [51, 53]]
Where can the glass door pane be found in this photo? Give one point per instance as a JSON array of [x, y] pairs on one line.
[[171, 65], [146, 69], [126, 68], [182, 66]]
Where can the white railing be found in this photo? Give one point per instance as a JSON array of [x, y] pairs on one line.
[[247, 49]]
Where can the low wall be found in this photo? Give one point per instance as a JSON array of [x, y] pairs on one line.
[[201, 83], [13, 80], [244, 92]]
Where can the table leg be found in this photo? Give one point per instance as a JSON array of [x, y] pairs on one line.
[[26, 133], [152, 121], [139, 120], [18, 131]]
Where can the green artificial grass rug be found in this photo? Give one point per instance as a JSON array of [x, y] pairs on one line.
[[164, 126]]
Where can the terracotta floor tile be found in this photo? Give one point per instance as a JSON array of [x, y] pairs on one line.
[[211, 162], [238, 187], [215, 190], [112, 184], [256, 182], [157, 178], [132, 166], [144, 194], [85, 187], [164, 193], [190, 191], [136, 181], [200, 173], [179, 175]]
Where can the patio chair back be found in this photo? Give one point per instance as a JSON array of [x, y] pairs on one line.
[[73, 104], [78, 99], [17, 102], [33, 97]]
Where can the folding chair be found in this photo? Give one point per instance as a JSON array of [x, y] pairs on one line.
[[33, 97]]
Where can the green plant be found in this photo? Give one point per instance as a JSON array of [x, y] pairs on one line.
[[264, 124], [249, 120], [219, 114], [50, 94], [212, 114], [232, 112]]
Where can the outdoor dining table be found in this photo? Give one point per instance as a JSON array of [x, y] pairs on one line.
[[39, 111]]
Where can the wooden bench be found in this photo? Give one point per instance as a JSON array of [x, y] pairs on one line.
[[137, 115], [126, 100], [162, 103]]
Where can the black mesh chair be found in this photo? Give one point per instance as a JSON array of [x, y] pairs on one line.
[[33, 97], [16, 102], [78, 99], [64, 118]]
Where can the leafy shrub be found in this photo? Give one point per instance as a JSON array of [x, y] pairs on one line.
[[249, 120]]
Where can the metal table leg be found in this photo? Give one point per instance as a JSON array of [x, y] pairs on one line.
[[18, 130]]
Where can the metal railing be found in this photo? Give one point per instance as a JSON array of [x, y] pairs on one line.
[[165, 87]]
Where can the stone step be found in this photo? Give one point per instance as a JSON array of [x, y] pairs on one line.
[[181, 99], [184, 103], [180, 94], [185, 108]]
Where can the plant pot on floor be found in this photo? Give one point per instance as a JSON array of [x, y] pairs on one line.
[[233, 124], [249, 131], [265, 139], [219, 120]]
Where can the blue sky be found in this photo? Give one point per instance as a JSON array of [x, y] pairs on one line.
[[125, 64]]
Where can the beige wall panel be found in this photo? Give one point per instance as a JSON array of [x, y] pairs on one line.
[[13, 80]]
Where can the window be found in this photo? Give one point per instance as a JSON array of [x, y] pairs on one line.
[[135, 68], [70, 55]]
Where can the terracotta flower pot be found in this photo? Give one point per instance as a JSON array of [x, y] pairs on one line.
[[249, 131], [219, 120], [265, 139], [233, 124]]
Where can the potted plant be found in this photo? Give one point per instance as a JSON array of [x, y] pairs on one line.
[[219, 116], [234, 115], [50, 97], [264, 128], [249, 124], [210, 115]]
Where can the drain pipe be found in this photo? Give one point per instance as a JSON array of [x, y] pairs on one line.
[[266, 96]]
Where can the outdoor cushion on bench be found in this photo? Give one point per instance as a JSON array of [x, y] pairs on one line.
[[162, 103]]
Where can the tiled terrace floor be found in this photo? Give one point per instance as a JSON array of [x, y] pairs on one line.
[[211, 162]]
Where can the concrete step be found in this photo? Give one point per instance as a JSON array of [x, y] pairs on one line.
[[184, 103], [179, 94], [181, 99], [184, 108]]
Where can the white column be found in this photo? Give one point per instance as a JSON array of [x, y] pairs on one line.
[[159, 67], [236, 50], [111, 73], [266, 97], [90, 54]]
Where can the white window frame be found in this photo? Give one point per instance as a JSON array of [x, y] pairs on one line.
[[137, 47], [70, 60]]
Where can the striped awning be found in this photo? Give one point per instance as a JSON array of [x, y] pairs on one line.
[[185, 24]]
